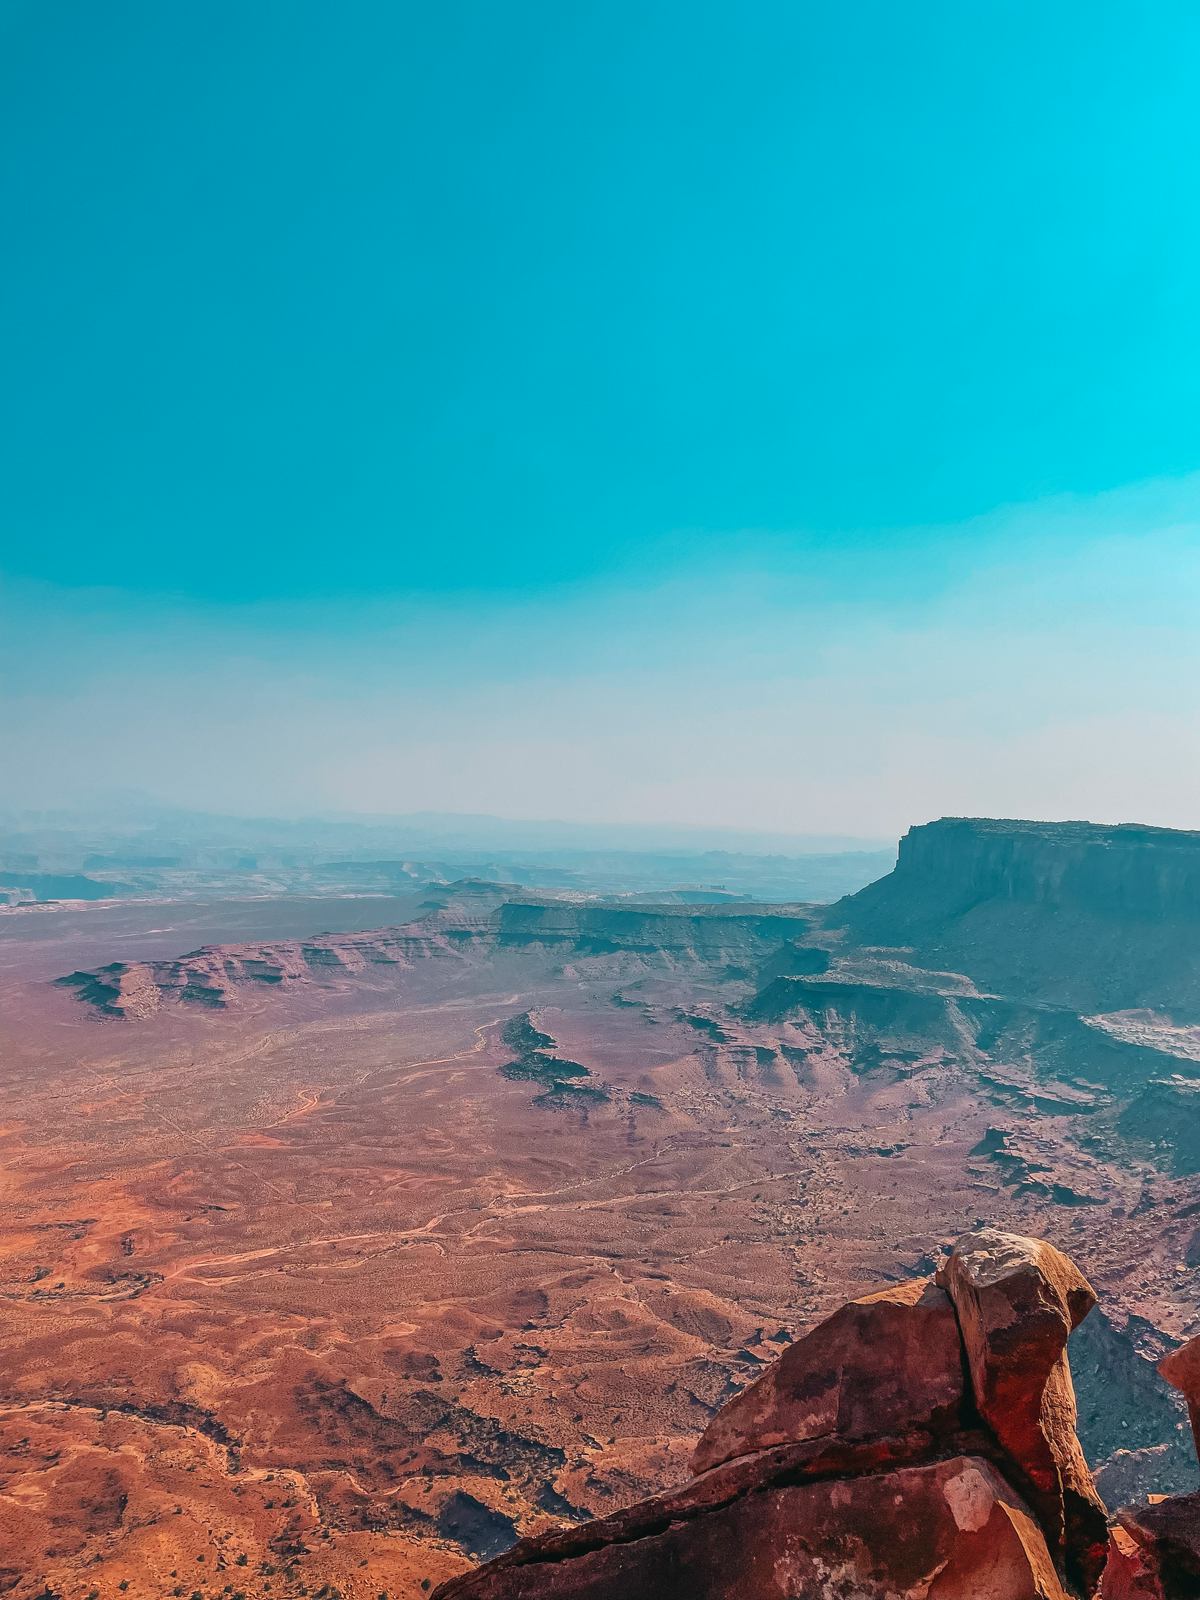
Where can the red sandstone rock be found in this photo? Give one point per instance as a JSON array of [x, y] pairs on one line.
[[953, 1530], [784, 1464], [883, 1365], [1167, 1531], [1131, 1572], [1017, 1301], [1181, 1369]]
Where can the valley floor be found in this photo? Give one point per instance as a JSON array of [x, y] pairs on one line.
[[338, 1288]]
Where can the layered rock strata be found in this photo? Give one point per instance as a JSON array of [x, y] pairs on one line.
[[1043, 911]]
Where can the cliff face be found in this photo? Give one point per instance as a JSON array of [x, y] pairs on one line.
[[1126, 871], [473, 923], [919, 1444], [1074, 913]]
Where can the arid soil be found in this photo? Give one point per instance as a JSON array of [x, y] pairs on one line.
[[353, 1273]]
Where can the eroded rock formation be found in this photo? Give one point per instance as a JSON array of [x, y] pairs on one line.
[[472, 921], [919, 1444], [1017, 1302], [887, 1365], [1042, 910]]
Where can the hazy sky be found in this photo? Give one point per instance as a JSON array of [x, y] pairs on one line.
[[784, 415]]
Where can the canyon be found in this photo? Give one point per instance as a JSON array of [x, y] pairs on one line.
[[346, 1259]]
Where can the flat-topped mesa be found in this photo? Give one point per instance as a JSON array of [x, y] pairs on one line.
[[1126, 868], [1075, 914], [883, 1455]]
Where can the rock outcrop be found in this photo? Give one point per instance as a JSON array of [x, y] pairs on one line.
[[1090, 865], [1181, 1369], [917, 1445], [1017, 1302], [470, 922], [953, 1529], [1154, 1551], [887, 1365]]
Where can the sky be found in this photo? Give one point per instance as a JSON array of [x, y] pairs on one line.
[[780, 416]]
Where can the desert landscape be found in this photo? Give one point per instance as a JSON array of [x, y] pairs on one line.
[[564, 572], [348, 1240]]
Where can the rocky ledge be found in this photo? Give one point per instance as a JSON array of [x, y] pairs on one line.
[[473, 922], [919, 1444]]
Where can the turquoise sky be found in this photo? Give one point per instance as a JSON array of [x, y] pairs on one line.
[[575, 334]]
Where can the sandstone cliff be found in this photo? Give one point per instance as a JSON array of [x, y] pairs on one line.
[[1072, 913], [919, 1444], [467, 922]]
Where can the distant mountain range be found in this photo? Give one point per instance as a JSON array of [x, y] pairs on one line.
[[420, 831], [146, 850]]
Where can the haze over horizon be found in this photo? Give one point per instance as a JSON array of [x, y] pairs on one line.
[[782, 423]]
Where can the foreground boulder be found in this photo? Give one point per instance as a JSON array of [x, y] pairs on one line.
[[919, 1444], [953, 1530], [1155, 1553], [1181, 1369], [886, 1364], [1017, 1301], [1131, 1571]]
